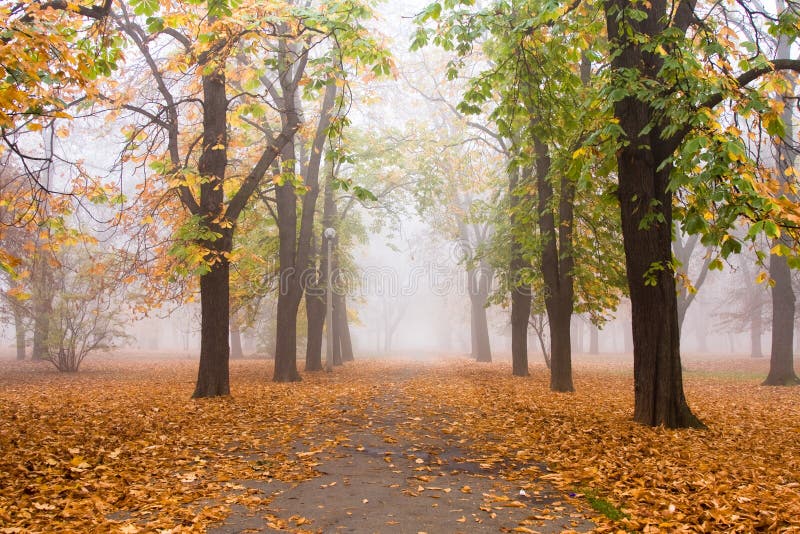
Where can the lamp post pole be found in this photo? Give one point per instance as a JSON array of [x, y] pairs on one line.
[[330, 235]]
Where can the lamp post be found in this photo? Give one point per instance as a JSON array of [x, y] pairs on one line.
[[330, 235]]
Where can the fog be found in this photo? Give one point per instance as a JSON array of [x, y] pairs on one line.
[[408, 294]]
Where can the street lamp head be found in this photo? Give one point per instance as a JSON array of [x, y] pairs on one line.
[[330, 233]]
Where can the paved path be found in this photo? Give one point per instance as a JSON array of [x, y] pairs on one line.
[[398, 473]]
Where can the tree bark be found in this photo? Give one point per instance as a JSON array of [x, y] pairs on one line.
[[521, 297], [286, 339], [557, 264], [315, 310], [213, 376], [315, 305], [646, 213], [295, 247], [290, 291], [781, 362]]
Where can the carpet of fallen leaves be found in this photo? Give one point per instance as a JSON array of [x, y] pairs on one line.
[[121, 447]]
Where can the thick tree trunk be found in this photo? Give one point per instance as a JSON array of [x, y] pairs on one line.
[[520, 309], [236, 341], [315, 305], [781, 362], [658, 382], [290, 291], [315, 311], [520, 291], [286, 338], [557, 265], [213, 375], [19, 330], [646, 213], [295, 247], [560, 350]]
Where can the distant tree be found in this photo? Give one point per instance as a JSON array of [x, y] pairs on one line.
[[88, 311], [745, 305]]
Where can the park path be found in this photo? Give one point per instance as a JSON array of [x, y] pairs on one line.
[[396, 471]]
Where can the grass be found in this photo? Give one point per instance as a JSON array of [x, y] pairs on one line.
[[601, 505]]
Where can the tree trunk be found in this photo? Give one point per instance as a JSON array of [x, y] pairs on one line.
[[315, 306], [236, 341], [286, 338], [755, 332], [520, 309], [213, 375], [290, 291], [560, 350], [295, 247], [520, 291], [42, 306], [344, 328], [19, 329], [315, 310], [557, 265], [646, 213], [781, 362], [479, 282], [481, 347]]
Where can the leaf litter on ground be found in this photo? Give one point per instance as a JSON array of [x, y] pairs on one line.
[[121, 446]]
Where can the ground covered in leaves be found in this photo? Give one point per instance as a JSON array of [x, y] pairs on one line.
[[121, 447]]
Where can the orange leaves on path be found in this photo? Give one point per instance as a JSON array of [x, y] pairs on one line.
[[121, 446], [742, 474]]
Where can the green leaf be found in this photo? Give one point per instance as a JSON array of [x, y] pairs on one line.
[[144, 7]]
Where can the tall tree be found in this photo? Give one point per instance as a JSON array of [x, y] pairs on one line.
[[519, 268], [781, 361], [295, 246], [669, 81], [211, 200], [645, 43]]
